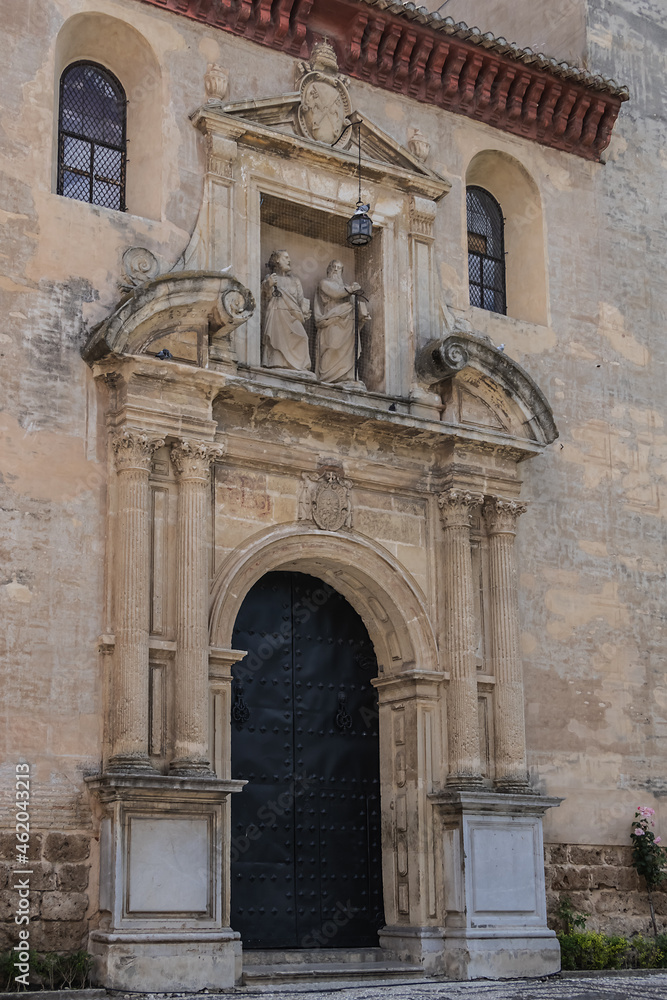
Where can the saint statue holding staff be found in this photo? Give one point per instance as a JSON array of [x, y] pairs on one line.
[[340, 312]]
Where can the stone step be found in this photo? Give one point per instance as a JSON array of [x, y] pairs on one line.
[[301, 956], [329, 971]]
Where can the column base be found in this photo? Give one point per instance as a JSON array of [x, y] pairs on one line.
[[500, 954], [130, 763], [417, 945], [462, 782], [188, 767], [166, 962], [515, 786]]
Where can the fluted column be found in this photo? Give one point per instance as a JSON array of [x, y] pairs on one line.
[[129, 682], [509, 724], [460, 639], [192, 461]]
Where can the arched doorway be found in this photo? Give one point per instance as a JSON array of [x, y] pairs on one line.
[[306, 854]]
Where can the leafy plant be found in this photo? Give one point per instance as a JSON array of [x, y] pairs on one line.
[[648, 857], [571, 919], [48, 971], [589, 950], [647, 953]]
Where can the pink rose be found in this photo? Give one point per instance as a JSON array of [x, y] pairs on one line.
[[657, 840], [639, 832]]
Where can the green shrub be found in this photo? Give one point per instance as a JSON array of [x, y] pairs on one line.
[[48, 971], [648, 953], [589, 950]]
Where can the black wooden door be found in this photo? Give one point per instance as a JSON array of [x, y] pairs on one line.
[[306, 866]]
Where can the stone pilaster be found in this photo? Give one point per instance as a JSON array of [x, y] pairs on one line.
[[192, 461], [129, 683], [460, 639], [510, 735]]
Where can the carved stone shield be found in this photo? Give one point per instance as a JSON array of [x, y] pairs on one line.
[[325, 105], [330, 506]]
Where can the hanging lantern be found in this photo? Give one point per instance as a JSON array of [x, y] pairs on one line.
[[360, 227]]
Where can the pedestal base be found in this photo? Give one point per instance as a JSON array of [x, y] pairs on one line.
[[472, 954], [494, 892], [166, 963], [164, 884], [416, 945]]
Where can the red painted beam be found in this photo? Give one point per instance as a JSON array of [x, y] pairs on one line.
[[404, 56]]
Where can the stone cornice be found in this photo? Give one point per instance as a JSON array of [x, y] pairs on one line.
[[404, 49]]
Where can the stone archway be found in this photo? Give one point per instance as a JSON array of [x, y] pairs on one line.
[[409, 682], [390, 604]]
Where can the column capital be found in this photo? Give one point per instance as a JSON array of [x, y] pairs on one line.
[[501, 515], [456, 506], [134, 450], [192, 459]]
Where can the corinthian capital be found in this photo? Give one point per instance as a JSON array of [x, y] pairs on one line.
[[133, 450], [501, 515], [456, 506], [192, 459]]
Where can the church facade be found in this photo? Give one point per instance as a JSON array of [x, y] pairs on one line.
[[334, 471]]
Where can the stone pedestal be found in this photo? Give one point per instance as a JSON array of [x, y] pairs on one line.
[[494, 895], [162, 883]]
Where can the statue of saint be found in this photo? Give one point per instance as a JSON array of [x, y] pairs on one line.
[[284, 311], [334, 319]]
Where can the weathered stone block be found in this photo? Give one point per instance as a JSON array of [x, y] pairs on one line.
[[59, 935], [64, 906], [8, 935], [8, 847], [73, 878], [568, 879], [67, 846], [586, 855], [43, 877], [8, 901], [557, 853]]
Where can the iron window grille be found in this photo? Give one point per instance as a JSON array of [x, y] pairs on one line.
[[92, 136], [486, 251]]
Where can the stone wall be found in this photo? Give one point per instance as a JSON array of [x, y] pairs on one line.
[[60, 865], [602, 884]]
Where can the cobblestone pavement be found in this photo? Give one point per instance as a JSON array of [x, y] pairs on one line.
[[619, 987]]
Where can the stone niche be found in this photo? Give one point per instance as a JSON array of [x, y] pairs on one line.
[[313, 238]]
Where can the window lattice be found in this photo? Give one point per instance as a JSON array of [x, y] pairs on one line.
[[91, 136], [486, 251]]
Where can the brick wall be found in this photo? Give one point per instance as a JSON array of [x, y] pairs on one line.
[[603, 885], [58, 899]]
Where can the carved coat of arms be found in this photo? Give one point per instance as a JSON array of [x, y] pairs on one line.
[[325, 101], [325, 499]]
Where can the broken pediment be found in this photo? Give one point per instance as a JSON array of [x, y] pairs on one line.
[[191, 314], [480, 386], [317, 122]]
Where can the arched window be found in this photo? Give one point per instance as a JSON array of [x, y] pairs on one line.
[[91, 136], [486, 251]]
